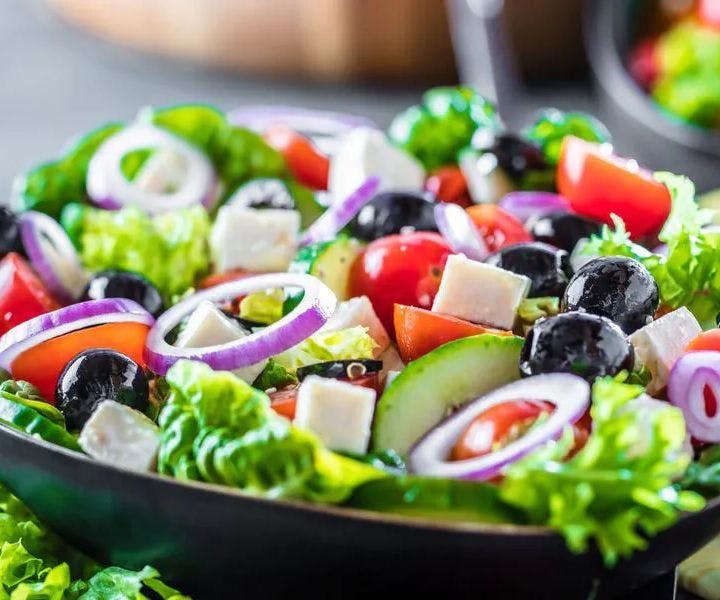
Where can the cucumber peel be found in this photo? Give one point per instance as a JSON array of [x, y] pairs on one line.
[[22, 417]]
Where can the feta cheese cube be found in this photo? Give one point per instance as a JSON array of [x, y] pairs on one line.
[[121, 436], [339, 413], [364, 152], [359, 311], [254, 239], [660, 343], [480, 293], [208, 326]]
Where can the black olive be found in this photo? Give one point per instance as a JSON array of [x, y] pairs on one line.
[[341, 369], [515, 155], [10, 240], [563, 230], [615, 287], [586, 345], [392, 212], [264, 193], [546, 266], [123, 284], [97, 375]]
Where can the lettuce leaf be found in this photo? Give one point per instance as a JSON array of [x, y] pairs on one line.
[[114, 583], [170, 250], [263, 307], [610, 491], [323, 346], [218, 429], [275, 376]]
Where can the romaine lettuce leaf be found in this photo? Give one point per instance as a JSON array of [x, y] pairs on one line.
[[323, 346], [275, 376], [608, 491]]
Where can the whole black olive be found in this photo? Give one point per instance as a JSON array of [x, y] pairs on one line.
[[546, 266], [97, 375], [392, 212], [341, 369], [264, 193], [515, 155], [124, 284], [615, 287], [563, 230], [586, 345], [10, 240]]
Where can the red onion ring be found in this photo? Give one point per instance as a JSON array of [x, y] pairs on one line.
[[108, 187], [570, 395], [302, 120], [459, 231], [690, 374], [340, 213], [525, 205], [52, 255], [29, 334], [316, 306]]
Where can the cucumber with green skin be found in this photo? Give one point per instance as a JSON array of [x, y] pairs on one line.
[[429, 388], [430, 497], [24, 418]]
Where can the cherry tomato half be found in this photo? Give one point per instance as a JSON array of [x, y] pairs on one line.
[[402, 269], [707, 340], [307, 164], [22, 294], [448, 184], [42, 365], [498, 227], [599, 184], [419, 331]]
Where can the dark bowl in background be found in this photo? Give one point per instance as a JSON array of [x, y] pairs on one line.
[[662, 140]]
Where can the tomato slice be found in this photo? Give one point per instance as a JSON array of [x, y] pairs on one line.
[[709, 13], [22, 295], [224, 277], [448, 184], [42, 365], [498, 227], [418, 331], [707, 340], [599, 184], [307, 164]]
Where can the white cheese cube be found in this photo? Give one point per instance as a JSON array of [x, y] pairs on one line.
[[164, 171], [365, 152], [208, 326], [480, 293], [359, 311], [487, 181], [254, 239], [339, 413], [660, 343], [121, 436]]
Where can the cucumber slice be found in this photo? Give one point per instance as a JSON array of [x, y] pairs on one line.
[[430, 497], [330, 262], [430, 387], [33, 423]]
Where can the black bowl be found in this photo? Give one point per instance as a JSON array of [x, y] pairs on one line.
[[218, 543], [646, 131]]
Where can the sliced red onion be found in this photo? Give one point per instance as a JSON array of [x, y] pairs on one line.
[[525, 205], [317, 304], [459, 232], [568, 393], [691, 374], [52, 255], [303, 120], [108, 187], [340, 213], [29, 334]]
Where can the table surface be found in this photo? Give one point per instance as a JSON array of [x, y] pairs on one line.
[[58, 81]]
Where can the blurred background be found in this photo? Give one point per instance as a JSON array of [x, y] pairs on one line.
[[69, 65]]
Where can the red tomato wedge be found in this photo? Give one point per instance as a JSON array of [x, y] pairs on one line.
[[707, 340], [224, 277], [448, 184], [419, 331], [22, 294], [43, 364], [498, 227], [599, 184], [307, 164]]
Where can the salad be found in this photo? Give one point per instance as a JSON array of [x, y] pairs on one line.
[[446, 320]]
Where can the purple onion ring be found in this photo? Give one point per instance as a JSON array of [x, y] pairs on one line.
[[459, 232]]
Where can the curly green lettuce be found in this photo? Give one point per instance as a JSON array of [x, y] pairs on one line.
[[619, 487], [170, 250], [323, 346], [218, 429]]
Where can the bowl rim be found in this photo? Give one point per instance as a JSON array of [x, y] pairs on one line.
[[605, 21], [337, 511]]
